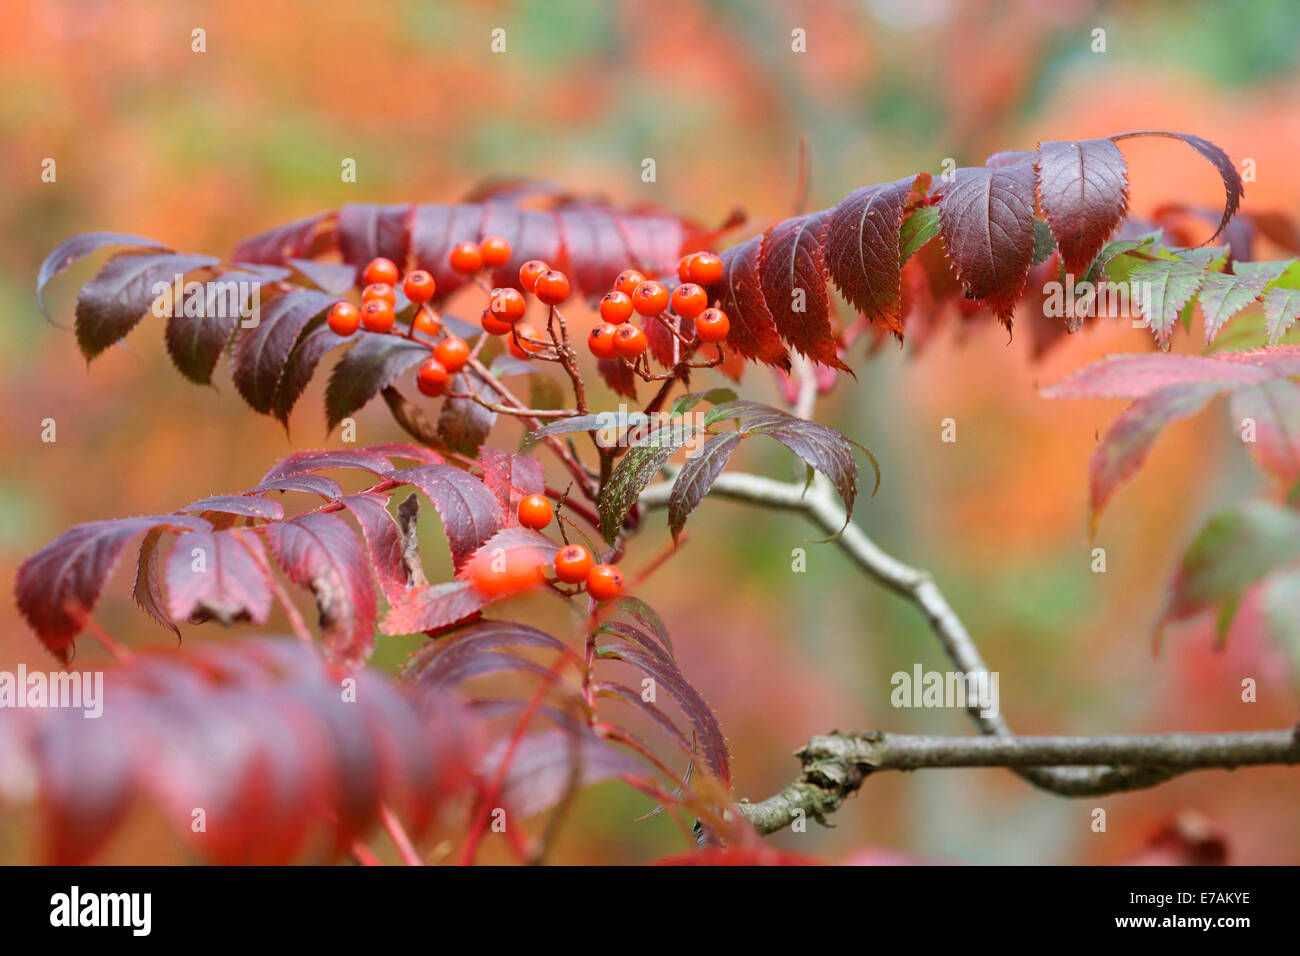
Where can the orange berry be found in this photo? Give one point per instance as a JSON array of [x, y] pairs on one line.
[[507, 305], [650, 298], [381, 270], [535, 512], [684, 267], [344, 318], [573, 564], [601, 341], [466, 258], [627, 282], [629, 341], [712, 325], [452, 352], [427, 322], [705, 268], [529, 272], [604, 582], [615, 307], [689, 300], [552, 287], [497, 572], [419, 286], [379, 290], [432, 378], [495, 251], [494, 326], [525, 349], [377, 315]]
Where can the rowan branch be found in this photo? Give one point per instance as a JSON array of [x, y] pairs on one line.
[[818, 502], [835, 766]]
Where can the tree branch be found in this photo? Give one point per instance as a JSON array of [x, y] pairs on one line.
[[1073, 778], [835, 766]]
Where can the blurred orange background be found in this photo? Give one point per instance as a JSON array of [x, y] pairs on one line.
[[202, 149]]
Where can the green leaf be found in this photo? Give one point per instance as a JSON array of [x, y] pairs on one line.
[[1223, 296], [918, 229], [1044, 242], [714, 396], [1161, 290], [1279, 602], [634, 471]]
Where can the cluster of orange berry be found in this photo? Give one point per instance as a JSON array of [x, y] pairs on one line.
[[633, 292], [573, 564]]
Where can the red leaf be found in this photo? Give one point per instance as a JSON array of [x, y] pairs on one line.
[[1084, 192], [441, 663], [1136, 376], [319, 551], [654, 241], [1128, 442], [757, 855], [740, 295], [309, 484], [542, 766], [215, 576], [464, 424], [330, 277], [434, 608], [470, 514], [511, 478], [987, 218], [792, 273], [110, 305], [1274, 407], [618, 376], [245, 506], [367, 230], [61, 583], [407, 451], [300, 365], [261, 352], [435, 231], [862, 247], [260, 736], [147, 589]]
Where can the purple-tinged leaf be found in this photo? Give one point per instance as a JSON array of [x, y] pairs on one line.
[[1232, 186], [368, 230], [713, 746], [70, 250], [214, 576], [61, 583], [320, 552], [383, 541], [618, 375], [435, 231], [332, 278], [863, 247], [543, 765], [275, 246], [110, 305], [532, 233], [260, 353], [697, 477], [792, 273], [407, 451], [464, 424], [511, 478], [1083, 187], [245, 506], [309, 484], [196, 341], [1137, 376], [301, 462], [301, 364], [1273, 410], [634, 700], [987, 218], [368, 367], [437, 659], [469, 512], [594, 246]]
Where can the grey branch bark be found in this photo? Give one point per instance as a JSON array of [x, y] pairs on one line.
[[834, 766], [1066, 777]]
